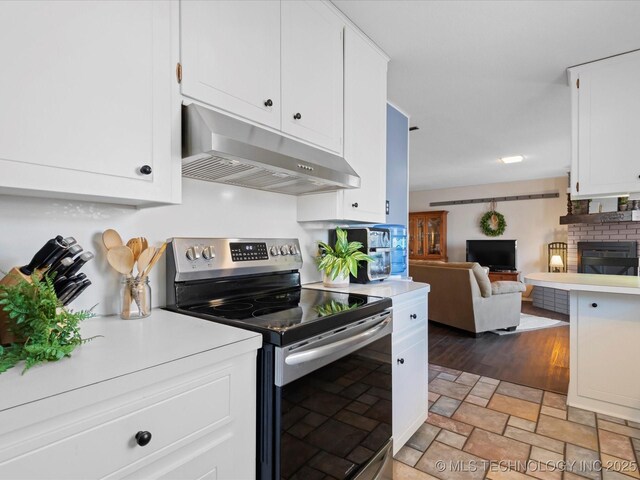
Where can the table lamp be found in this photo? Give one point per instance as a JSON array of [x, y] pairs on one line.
[[556, 263]]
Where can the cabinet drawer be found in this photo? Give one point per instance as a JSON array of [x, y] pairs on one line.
[[106, 442], [410, 315]]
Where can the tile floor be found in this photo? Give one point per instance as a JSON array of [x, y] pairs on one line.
[[480, 427]]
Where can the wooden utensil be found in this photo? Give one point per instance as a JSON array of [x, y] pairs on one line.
[[145, 258], [111, 239], [121, 259], [136, 247], [144, 243], [155, 258]]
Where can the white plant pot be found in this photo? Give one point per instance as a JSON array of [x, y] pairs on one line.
[[341, 281]]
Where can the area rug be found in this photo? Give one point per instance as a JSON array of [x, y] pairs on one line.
[[531, 322]]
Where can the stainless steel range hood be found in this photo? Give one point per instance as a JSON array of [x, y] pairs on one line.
[[218, 148]]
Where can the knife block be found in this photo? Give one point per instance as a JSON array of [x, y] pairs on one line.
[[14, 277]]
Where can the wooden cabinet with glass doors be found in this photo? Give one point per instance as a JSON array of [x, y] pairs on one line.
[[428, 235]]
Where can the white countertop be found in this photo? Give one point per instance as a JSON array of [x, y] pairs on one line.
[[126, 346], [586, 282], [386, 288]]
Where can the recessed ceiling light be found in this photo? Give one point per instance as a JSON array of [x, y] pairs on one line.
[[514, 159]]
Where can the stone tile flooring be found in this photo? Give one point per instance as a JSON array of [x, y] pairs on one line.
[[480, 427]]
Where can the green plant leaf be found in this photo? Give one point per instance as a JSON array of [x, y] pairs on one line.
[[342, 258], [50, 331]]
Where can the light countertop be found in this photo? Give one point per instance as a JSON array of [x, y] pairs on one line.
[[386, 288], [586, 282], [124, 347]]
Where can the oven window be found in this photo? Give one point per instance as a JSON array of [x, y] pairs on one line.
[[335, 419]]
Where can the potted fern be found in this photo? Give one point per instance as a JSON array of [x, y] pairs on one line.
[[337, 262], [46, 330]]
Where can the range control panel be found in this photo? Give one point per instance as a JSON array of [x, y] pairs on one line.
[[200, 258], [242, 252]]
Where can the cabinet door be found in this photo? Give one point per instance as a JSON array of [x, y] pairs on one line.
[[421, 225], [231, 56], [434, 230], [365, 128], [312, 73], [605, 329], [410, 398], [86, 99], [606, 124]]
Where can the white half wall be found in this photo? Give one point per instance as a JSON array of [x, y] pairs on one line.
[[533, 223], [208, 210]]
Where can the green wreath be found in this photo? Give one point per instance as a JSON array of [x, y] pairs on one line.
[[486, 224]]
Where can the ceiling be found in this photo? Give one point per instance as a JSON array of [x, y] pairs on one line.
[[487, 79]]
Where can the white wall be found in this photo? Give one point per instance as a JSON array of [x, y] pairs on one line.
[[208, 210], [533, 223]]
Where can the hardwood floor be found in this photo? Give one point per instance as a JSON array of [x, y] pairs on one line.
[[538, 359]]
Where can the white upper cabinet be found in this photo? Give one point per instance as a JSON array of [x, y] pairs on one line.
[[273, 63], [89, 100], [231, 57], [312, 77], [606, 127], [365, 104]]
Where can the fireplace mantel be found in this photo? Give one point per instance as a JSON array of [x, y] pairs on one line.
[[606, 217]]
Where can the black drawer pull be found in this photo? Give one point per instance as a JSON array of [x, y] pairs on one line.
[[145, 170], [413, 316], [354, 205], [268, 102], [297, 116], [401, 361], [594, 304], [143, 438]]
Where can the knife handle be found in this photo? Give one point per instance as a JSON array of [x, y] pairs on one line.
[[53, 262], [41, 255], [68, 289], [76, 293]]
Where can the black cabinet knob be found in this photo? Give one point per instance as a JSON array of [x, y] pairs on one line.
[[354, 205], [297, 116], [401, 361], [413, 315], [594, 304], [145, 170], [268, 103], [143, 438]]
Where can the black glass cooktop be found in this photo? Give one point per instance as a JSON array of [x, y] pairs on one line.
[[288, 316]]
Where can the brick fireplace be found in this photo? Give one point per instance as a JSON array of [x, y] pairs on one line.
[[558, 300], [605, 232]]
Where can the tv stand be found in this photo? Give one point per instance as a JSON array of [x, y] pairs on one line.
[[507, 275]]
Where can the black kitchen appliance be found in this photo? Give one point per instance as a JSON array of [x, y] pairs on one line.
[[376, 243], [324, 372]]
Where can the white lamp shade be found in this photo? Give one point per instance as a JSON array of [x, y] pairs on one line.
[[556, 261]]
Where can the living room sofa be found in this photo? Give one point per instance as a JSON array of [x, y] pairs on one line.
[[462, 296]]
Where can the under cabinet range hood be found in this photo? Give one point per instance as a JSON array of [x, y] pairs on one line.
[[219, 148]]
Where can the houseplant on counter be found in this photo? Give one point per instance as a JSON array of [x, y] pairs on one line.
[[337, 262], [49, 331]]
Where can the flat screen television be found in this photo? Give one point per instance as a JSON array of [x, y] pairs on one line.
[[498, 255]]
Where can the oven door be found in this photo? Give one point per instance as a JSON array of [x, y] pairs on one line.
[[333, 404]]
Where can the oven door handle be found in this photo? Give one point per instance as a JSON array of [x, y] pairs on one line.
[[326, 350]]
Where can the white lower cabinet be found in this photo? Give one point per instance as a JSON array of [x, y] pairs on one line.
[[410, 365], [605, 331], [190, 419], [90, 101]]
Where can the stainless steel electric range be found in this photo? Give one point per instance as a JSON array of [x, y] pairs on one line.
[[324, 372]]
